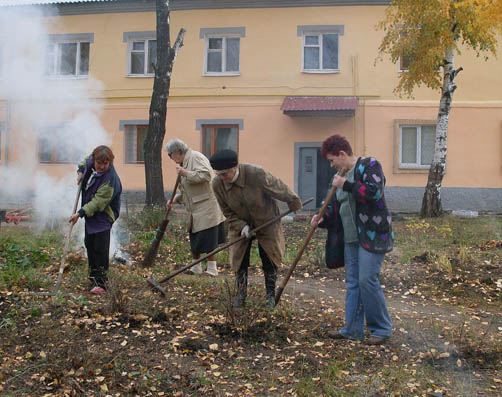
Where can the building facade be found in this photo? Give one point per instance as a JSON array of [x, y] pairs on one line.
[[271, 80]]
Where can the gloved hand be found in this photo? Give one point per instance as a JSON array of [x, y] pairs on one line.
[[295, 205], [246, 232]]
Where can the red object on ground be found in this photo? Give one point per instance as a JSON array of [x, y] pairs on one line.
[[17, 215]]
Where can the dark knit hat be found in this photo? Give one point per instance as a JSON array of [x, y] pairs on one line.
[[223, 160]]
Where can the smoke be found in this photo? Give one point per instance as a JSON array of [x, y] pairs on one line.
[[52, 119]]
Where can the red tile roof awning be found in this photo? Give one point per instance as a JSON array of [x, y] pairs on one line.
[[337, 106]]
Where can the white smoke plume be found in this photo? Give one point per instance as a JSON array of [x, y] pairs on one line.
[[42, 109]]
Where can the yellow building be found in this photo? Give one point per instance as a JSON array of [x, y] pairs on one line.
[[271, 79]]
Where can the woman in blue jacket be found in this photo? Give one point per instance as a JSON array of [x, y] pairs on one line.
[[101, 190]]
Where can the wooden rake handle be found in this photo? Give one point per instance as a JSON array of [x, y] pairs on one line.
[[67, 243], [313, 228], [224, 246]]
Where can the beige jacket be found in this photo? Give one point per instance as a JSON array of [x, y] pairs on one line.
[[196, 193], [250, 200]]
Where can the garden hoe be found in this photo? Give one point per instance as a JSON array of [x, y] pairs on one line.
[[306, 241], [157, 285], [154, 248], [65, 251]]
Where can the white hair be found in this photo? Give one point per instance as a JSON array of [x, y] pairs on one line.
[[176, 146]]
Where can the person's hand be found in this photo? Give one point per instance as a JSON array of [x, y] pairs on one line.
[[246, 232], [295, 206], [169, 205], [338, 181], [80, 175], [181, 171], [316, 220], [74, 218]]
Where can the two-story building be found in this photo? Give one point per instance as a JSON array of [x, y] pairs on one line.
[[270, 79]]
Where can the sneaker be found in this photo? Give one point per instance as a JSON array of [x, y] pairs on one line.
[[196, 269], [97, 290]]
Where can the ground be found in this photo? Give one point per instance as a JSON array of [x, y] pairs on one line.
[[443, 283]]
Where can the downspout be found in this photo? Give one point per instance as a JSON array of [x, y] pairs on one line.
[[355, 92], [7, 133]]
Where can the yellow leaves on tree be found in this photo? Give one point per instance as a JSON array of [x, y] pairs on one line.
[[424, 31]]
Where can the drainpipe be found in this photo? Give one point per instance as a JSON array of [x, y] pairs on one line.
[[7, 133]]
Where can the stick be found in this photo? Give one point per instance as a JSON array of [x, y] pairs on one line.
[[67, 244], [156, 284], [306, 241], [154, 248]]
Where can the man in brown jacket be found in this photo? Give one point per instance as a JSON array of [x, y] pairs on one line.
[[246, 194]]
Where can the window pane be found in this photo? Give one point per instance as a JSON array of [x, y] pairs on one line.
[[130, 143], [428, 141], [311, 58], [226, 138], [215, 44], [330, 51], [68, 59], [1, 60], [50, 53], [62, 154], [137, 63], [138, 46], [206, 141], [84, 59], [141, 131], [404, 63], [152, 55], [214, 61], [312, 40], [233, 55], [44, 150], [409, 145]]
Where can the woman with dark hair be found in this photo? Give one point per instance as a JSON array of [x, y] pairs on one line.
[[367, 230], [101, 190]]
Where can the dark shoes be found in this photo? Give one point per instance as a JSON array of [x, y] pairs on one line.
[[375, 341], [335, 335]]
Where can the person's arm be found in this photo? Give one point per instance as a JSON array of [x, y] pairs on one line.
[[99, 201], [277, 189], [81, 169], [200, 172], [370, 185], [234, 222]]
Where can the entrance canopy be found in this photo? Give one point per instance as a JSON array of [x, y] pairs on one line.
[[321, 106]]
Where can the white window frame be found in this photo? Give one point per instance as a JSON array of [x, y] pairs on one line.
[[146, 51], [2, 58], [418, 165], [223, 55], [320, 36], [57, 40]]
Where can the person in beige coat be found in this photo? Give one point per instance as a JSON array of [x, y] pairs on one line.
[[246, 194], [206, 223]]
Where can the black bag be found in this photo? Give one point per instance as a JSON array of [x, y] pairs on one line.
[[334, 249]]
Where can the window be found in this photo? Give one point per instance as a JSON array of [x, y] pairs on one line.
[[320, 48], [142, 57], [416, 145], [1, 130], [141, 53], [320, 52], [53, 146], [404, 63], [68, 55], [135, 143], [219, 137], [1, 59], [222, 50]]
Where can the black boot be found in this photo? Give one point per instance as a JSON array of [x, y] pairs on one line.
[[241, 283], [270, 279]]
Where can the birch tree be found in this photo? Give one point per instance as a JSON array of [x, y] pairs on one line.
[[158, 106], [429, 33]]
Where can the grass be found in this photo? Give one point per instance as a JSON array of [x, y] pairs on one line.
[[132, 341]]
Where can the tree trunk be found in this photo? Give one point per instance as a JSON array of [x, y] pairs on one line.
[[431, 202], [158, 106]]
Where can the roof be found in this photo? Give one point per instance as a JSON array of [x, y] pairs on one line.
[[42, 2], [319, 105]]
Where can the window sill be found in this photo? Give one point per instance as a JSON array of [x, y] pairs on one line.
[[214, 74], [415, 167], [331, 71], [140, 75], [61, 77]]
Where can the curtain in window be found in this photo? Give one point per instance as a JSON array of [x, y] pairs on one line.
[[409, 145], [428, 139], [233, 46], [226, 138], [130, 143], [330, 51]]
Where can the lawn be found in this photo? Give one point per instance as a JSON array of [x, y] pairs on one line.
[[443, 283]]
